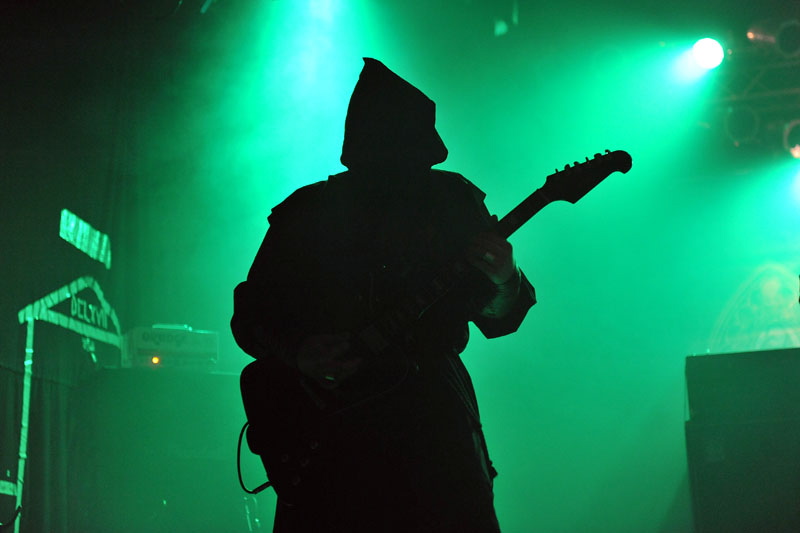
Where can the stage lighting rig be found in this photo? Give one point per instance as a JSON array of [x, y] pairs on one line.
[[782, 36], [757, 92]]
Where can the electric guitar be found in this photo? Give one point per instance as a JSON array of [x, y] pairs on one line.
[[289, 415]]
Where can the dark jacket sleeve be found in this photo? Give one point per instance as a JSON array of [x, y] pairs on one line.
[[263, 322], [493, 327], [259, 327]]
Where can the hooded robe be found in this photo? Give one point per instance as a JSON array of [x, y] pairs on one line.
[[339, 253]]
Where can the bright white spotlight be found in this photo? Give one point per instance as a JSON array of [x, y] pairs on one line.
[[708, 53]]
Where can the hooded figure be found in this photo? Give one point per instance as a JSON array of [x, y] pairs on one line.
[[341, 256], [389, 123]]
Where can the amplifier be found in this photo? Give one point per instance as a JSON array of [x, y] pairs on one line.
[[744, 386], [171, 346]]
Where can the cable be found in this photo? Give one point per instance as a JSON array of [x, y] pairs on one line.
[[8, 525], [239, 465]]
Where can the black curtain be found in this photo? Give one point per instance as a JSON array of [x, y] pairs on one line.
[[68, 138], [92, 95], [62, 145]]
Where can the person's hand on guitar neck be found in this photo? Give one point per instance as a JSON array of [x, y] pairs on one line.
[[492, 255], [325, 359]]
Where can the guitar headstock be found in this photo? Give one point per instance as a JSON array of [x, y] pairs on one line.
[[574, 181]]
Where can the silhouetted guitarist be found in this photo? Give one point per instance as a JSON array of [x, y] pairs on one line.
[[402, 448]]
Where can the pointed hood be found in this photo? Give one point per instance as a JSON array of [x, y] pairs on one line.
[[389, 123]]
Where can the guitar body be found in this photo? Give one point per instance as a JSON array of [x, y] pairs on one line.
[[295, 425], [287, 428]]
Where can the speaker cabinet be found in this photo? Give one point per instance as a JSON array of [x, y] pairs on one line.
[[154, 450], [743, 441], [745, 477]]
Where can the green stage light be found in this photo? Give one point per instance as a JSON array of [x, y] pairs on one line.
[[708, 53]]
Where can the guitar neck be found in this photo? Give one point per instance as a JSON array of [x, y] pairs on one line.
[[521, 214]]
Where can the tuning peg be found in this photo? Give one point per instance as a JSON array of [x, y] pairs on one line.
[[566, 167], [597, 155], [587, 160], [608, 151]]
